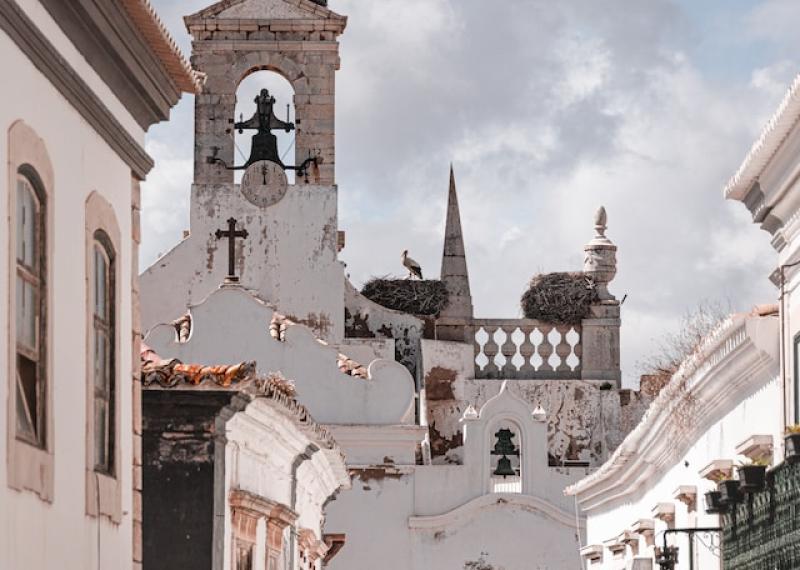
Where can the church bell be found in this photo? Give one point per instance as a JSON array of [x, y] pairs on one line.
[[504, 468], [505, 447]]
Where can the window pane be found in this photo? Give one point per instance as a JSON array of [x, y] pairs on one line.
[[27, 310], [27, 398], [101, 368], [100, 283], [27, 213], [100, 433]]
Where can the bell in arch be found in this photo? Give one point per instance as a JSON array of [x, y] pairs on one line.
[[504, 446]]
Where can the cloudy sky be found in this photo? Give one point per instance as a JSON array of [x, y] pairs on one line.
[[547, 110]]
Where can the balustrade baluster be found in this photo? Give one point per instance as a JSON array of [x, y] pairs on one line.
[[563, 349], [526, 350], [509, 350], [490, 349], [577, 350], [478, 350], [545, 348]]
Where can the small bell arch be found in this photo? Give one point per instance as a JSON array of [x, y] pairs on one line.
[[505, 461]]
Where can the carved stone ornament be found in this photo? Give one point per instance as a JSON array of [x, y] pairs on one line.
[[264, 183], [600, 260]]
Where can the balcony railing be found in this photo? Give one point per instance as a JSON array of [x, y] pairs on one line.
[[526, 349], [763, 533]]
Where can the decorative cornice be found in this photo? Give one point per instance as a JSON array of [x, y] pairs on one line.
[[723, 369], [469, 510], [260, 506], [311, 9], [47, 59], [124, 45], [767, 145]]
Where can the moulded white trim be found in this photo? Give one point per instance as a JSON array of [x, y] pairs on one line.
[[471, 509]]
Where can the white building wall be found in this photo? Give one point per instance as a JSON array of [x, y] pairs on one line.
[[727, 392], [35, 534], [753, 415]]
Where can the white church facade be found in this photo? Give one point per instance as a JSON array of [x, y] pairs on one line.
[[459, 434]]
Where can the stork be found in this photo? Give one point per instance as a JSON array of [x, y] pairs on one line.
[[414, 269]]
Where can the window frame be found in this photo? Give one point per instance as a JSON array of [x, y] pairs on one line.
[[102, 245], [796, 376], [35, 276], [30, 464], [103, 485]]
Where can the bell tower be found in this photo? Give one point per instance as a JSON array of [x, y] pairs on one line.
[[295, 38], [274, 238]]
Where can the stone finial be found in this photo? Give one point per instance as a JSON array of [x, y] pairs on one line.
[[600, 261], [600, 219], [470, 413]]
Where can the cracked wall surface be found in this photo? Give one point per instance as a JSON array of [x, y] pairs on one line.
[[585, 422]]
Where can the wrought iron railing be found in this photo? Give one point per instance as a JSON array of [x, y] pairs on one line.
[[526, 349], [763, 533]]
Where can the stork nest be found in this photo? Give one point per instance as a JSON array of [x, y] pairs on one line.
[[563, 298], [415, 296]]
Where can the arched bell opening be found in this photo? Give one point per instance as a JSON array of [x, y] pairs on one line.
[[250, 91], [505, 457]]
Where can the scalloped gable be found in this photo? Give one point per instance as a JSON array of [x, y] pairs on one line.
[[266, 10], [231, 323], [505, 402]]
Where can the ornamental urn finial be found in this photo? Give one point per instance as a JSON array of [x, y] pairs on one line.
[[600, 261], [600, 219]]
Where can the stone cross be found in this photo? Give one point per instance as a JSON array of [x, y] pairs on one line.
[[231, 233]]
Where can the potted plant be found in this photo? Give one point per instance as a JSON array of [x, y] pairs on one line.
[[714, 505], [792, 443], [729, 491], [752, 475]]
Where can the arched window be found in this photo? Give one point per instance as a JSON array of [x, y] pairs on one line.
[[103, 343], [505, 464], [30, 309], [279, 88]]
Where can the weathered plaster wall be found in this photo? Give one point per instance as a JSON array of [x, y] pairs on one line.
[[514, 536], [289, 252], [520, 539], [36, 534], [374, 514], [365, 319], [584, 422], [179, 462], [443, 516]]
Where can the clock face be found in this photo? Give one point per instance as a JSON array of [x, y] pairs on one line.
[[264, 183]]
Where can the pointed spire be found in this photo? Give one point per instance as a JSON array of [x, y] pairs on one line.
[[454, 261]]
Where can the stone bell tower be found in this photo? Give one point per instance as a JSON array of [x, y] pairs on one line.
[[274, 239], [295, 38]]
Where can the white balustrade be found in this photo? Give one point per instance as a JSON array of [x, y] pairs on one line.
[[526, 349]]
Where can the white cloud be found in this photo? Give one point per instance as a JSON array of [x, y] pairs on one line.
[[548, 110]]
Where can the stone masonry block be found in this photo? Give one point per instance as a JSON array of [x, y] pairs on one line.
[[137, 407], [137, 541]]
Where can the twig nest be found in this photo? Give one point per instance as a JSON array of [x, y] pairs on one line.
[[563, 298], [415, 296]]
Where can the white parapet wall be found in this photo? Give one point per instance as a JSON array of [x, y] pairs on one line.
[[720, 405]]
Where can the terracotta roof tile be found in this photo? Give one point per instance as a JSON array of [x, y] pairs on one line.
[[163, 45]]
